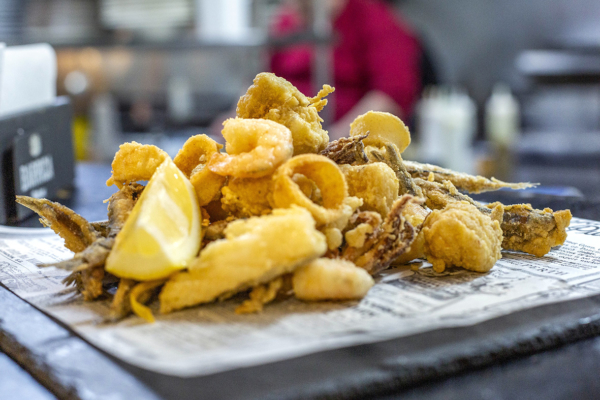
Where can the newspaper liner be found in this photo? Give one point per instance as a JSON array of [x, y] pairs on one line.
[[212, 338]]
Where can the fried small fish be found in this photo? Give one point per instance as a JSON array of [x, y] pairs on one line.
[[389, 155], [390, 240], [347, 150], [91, 246], [523, 227], [120, 205], [72, 227], [462, 181]]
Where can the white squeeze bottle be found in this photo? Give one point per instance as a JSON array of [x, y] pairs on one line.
[[502, 116], [502, 128], [460, 123], [430, 113]]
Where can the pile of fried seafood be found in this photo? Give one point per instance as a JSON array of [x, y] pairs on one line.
[[286, 213]]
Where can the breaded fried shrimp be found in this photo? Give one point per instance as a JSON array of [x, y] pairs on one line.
[[255, 148]]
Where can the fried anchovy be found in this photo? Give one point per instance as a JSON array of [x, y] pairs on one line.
[[120, 307], [393, 159], [348, 150], [87, 266], [120, 205], [72, 227], [216, 230], [101, 227], [466, 182], [523, 227], [391, 239]]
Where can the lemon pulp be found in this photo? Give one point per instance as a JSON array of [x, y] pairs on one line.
[[162, 233]]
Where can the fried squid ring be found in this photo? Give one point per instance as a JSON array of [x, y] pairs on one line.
[[382, 128], [325, 174], [255, 148], [196, 150], [135, 162]]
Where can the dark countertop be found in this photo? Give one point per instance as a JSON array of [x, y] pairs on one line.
[[548, 352]]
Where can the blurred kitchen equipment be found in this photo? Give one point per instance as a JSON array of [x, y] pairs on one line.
[[560, 106], [36, 149]]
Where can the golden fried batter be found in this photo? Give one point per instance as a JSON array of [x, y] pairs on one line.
[[207, 184], [135, 162], [246, 197], [327, 279], [383, 128], [376, 184], [460, 235], [274, 98], [387, 242], [337, 206], [254, 251], [196, 150], [389, 154]]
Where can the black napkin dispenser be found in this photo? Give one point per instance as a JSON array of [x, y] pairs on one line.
[[36, 157]]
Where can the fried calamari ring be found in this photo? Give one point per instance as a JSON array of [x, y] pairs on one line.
[[325, 174], [135, 162], [255, 148], [196, 150], [382, 128]]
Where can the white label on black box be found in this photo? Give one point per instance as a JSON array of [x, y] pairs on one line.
[[36, 172]]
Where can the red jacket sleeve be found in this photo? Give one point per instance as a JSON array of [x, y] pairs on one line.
[[393, 57]]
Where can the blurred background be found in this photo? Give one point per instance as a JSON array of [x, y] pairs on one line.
[[504, 88]]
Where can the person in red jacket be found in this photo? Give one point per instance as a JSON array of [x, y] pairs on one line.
[[376, 58]]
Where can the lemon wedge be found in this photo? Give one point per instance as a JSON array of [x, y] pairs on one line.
[[162, 233]]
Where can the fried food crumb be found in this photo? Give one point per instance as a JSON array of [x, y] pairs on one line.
[[259, 296], [356, 237]]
